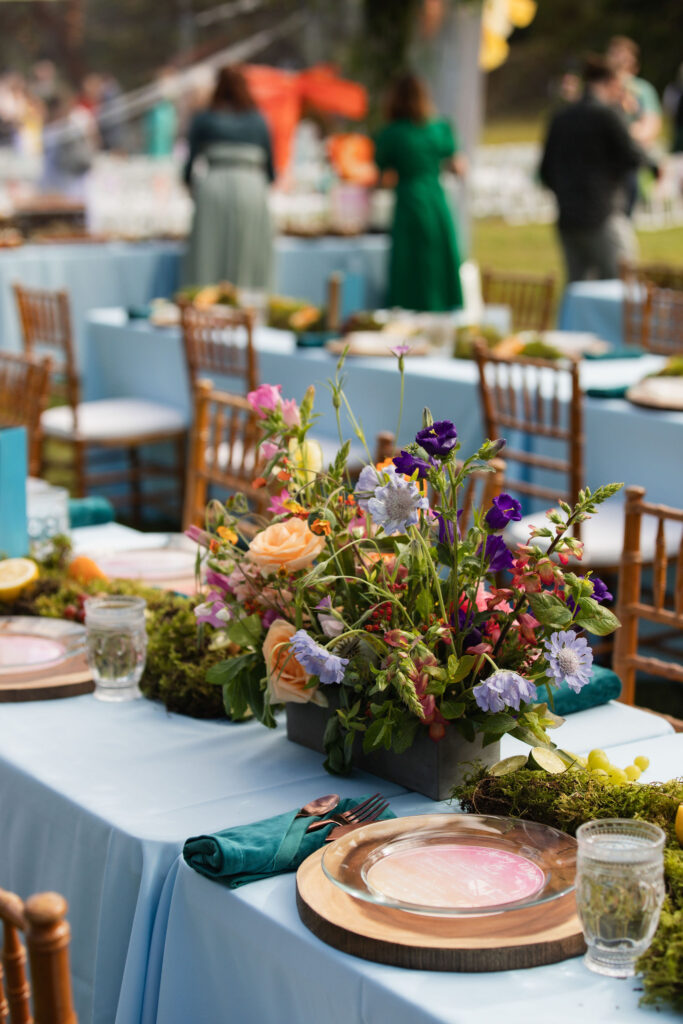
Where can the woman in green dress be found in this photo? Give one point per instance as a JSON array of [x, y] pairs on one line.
[[232, 237], [425, 261]]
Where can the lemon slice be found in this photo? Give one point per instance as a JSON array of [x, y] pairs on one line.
[[15, 574], [679, 824]]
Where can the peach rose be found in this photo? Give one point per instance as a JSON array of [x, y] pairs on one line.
[[286, 677], [290, 545]]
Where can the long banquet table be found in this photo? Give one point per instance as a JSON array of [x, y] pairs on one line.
[[97, 800], [623, 441], [131, 273]]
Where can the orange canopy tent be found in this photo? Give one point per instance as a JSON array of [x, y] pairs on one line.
[[280, 95]]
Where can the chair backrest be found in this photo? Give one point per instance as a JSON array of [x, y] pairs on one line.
[[632, 604], [663, 321], [537, 399], [223, 451], [45, 319], [220, 344], [636, 277], [529, 296], [24, 389], [42, 920]]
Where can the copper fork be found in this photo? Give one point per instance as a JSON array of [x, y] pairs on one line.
[[342, 830], [354, 816]]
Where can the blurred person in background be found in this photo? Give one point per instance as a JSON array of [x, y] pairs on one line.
[[587, 156], [70, 143], [425, 259], [111, 128], [672, 102], [161, 120], [638, 103], [231, 237], [46, 86]]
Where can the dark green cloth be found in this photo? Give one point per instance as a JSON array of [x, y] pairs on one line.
[[90, 511], [632, 352], [247, 853], [425, 258], [246, 127], [604, 686], [615, 392]]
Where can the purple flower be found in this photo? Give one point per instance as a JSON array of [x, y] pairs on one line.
[[268, 617], [395, 505], [496, 554], [504, 689], [504, 510], [438, 439], [473, 636], [400, 350], [328, 667], [569, 658], [446, 532], [600, 591], [407, 463], [369, 479], [213, 610], [216, 579], [198, 535]]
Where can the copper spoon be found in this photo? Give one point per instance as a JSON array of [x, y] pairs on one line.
[[323, 805]]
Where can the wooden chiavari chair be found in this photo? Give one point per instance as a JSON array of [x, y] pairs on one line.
[[106, 425], [635, 278], [529, 296], [24, 388], [223, 451], [663, 321], [633, 606], [42, 920], [220, 344], [528, 396]]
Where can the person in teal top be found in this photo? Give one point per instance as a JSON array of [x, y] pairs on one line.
[[425, 258], [161, 120]]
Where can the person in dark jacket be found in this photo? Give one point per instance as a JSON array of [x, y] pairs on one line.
[[587, 158]]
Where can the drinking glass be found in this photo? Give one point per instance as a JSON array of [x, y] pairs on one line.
[[619, 891], [116, 645]]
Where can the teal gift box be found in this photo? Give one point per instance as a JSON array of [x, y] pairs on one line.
[[13, 470]]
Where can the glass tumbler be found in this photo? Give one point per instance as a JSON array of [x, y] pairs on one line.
[[116, 645], [619, 891]]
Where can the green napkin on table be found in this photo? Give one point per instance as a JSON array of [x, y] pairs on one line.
[[247, 853], [605, 685], [609, 392], [632, 352]]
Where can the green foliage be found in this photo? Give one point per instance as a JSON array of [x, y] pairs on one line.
[[567, 800]]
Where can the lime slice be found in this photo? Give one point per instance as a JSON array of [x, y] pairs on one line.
[[15, 574], [541, 759], [571, 759], [508, 765]]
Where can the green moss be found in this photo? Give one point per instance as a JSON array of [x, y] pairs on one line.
[[566, 801]]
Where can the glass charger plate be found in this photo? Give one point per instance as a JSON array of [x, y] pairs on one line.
[[29, 642], [174, 561], [454, 865]]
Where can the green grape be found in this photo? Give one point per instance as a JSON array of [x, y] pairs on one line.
[[633, 772], [598, 759], [642, 762], [617, 775]]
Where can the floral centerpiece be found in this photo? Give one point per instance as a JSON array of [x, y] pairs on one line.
[[375, 605]]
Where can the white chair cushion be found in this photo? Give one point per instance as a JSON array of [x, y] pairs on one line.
[[223, 463], [602, 535], [110, 418]]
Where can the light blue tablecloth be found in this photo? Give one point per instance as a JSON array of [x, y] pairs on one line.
[[623, 442], [131, 273], [594, 306], [98, 798]]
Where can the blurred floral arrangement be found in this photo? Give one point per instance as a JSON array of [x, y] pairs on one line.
[[375, 598]]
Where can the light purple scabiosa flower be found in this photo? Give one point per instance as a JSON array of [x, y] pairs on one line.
[[369, 479], [504, 689], [569, 658], [396, 504], [328, 667]]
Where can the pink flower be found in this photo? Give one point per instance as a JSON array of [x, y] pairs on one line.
[[268, 449], [198, 535], [290, 413], [277, 502], [266, 397]]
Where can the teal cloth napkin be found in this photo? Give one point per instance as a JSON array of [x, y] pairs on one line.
[[614, 392], [247, 853], [632, 352], [139, 312], [605, 685], [90, 511]]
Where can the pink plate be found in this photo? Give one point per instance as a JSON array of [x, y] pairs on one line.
[[28, 650]]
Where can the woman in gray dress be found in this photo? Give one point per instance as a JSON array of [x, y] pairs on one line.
[[231, 238]]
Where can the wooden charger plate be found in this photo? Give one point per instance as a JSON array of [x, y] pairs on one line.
[[543, 934], [68, 679]]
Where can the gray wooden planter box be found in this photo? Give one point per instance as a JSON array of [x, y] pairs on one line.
[[427, 767]]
